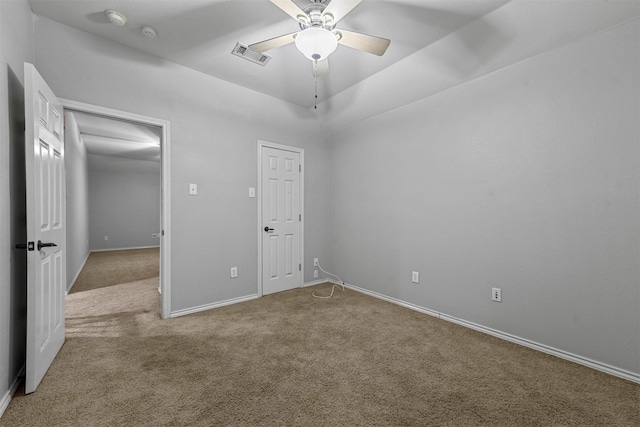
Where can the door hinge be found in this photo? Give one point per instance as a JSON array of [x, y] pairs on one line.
[[299, 168], [299, 267], [300, 217]]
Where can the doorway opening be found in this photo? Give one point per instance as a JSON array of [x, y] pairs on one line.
[[142, 152]]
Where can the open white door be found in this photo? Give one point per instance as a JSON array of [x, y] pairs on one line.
[[46, 267], [281, 199]]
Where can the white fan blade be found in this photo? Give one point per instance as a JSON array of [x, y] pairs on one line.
[[290, 8], [339, 8], [372, 44], [273, 43], [320, 68]]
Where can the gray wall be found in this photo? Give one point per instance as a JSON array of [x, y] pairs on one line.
[[215, 127], [124, 203], [77, 179], [525, 179], [16, 47]]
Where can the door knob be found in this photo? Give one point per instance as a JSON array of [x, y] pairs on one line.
[[267, 229], [45, 245]]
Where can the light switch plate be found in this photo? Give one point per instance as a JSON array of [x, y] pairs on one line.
[[252, 192], [193, 189]]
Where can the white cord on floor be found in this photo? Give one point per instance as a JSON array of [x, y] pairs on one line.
[[332, 288]]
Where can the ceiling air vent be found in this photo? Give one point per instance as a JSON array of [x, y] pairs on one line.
[[243, 51]]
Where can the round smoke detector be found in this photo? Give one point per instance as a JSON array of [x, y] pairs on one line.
[[149, 32], [115, 17]]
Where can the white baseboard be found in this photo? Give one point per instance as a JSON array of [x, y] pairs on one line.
[[75, 277], [317, 282], [206, 307], [124, 249], [600, 366], [4, 402], [594, 364]]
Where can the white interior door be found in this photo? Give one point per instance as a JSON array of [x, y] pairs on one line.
[[46, 267], [281, 226]]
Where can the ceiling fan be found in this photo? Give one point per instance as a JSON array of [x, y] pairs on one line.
[[318, 36]]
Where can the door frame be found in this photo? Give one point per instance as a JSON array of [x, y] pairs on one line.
[[300, 151], [165, 190]]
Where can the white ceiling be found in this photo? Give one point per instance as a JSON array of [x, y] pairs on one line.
[[201, 35], [435, 45], [117, 138]]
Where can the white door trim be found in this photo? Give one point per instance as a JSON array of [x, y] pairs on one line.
[[300, 151], [165, 167]]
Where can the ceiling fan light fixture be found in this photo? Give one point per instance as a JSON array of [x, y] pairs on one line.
[[328, 20], [304, 20], [316, 43]]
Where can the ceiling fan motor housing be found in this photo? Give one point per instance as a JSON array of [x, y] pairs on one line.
[[315, 18]]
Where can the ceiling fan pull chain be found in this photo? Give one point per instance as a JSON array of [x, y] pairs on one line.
[[315, 77]]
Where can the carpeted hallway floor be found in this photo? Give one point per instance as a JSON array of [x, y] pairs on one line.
[[290, 359], [110, 268]]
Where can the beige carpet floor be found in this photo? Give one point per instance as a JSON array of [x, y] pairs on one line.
[[290, 359], [110, 268]]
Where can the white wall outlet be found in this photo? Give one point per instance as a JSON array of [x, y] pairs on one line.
[[496, 294], [193, 189], [315, 262], [315, 274], [234, 272], [415, 277], [106, 237], [252, 192]]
